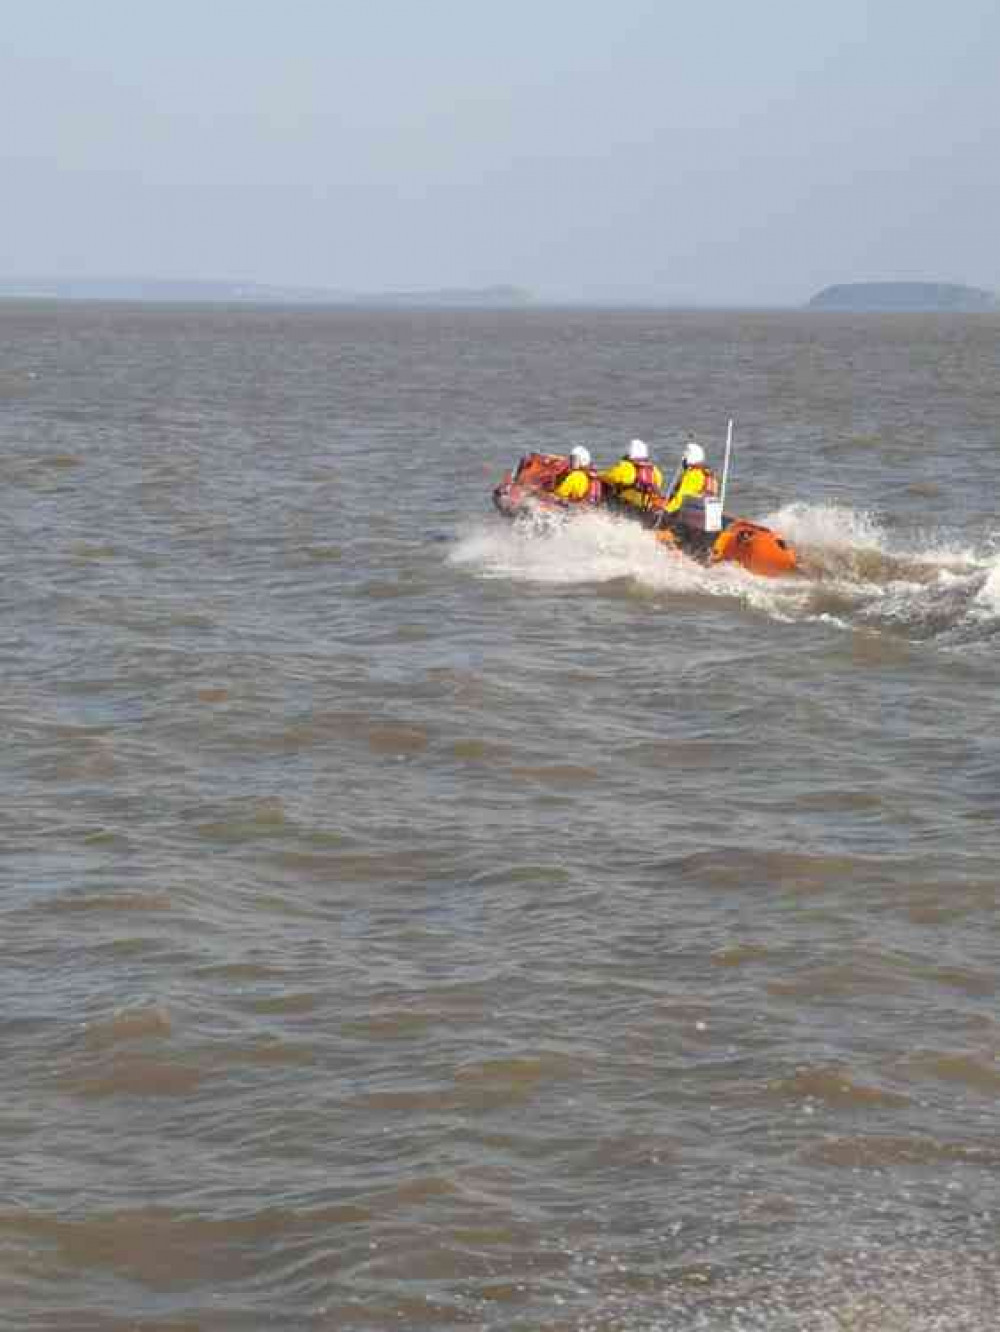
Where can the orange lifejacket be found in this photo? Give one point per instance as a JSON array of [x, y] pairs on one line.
[[644, 481]]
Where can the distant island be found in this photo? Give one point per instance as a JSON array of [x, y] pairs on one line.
[[250, 293], [915, 296]]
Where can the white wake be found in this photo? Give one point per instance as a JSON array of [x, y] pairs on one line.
[[852, 571]]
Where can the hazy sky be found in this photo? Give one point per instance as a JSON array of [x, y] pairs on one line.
[[714, 151]]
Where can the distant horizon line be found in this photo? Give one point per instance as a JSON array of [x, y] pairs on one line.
[[507, 295], [208, 291]]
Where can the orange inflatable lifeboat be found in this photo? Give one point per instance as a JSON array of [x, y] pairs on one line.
[[693, 530]]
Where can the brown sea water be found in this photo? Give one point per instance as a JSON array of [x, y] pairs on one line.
[[414, 921]]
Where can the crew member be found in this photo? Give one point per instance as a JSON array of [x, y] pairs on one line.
[[695, 478], [634, 481], [581, 484]]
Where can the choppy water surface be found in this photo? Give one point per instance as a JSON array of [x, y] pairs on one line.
[[413, 921]]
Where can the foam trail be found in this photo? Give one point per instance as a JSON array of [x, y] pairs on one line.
[[924, 585], [838, 539], [592, 548], [851, 573]]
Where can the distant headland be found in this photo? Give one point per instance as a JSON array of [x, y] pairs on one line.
[[251, 293], [904, 296]]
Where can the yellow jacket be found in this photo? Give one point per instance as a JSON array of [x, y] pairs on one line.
[[622, 478], [694, 481], [575, 485]]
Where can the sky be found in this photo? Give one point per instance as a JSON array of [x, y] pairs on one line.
[[711, 152]]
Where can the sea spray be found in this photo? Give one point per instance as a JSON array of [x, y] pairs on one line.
[[852, 572]]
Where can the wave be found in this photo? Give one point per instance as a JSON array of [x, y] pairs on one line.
[[853, 572], [920, 584]]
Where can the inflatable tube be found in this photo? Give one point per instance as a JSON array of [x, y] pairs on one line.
[[757, 549]]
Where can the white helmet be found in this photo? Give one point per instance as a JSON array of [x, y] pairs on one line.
[[637, 451], [693, 455], [579, 456]]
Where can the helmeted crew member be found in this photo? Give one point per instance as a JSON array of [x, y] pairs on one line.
[[696, 478], [634, 480], [581, 484]]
